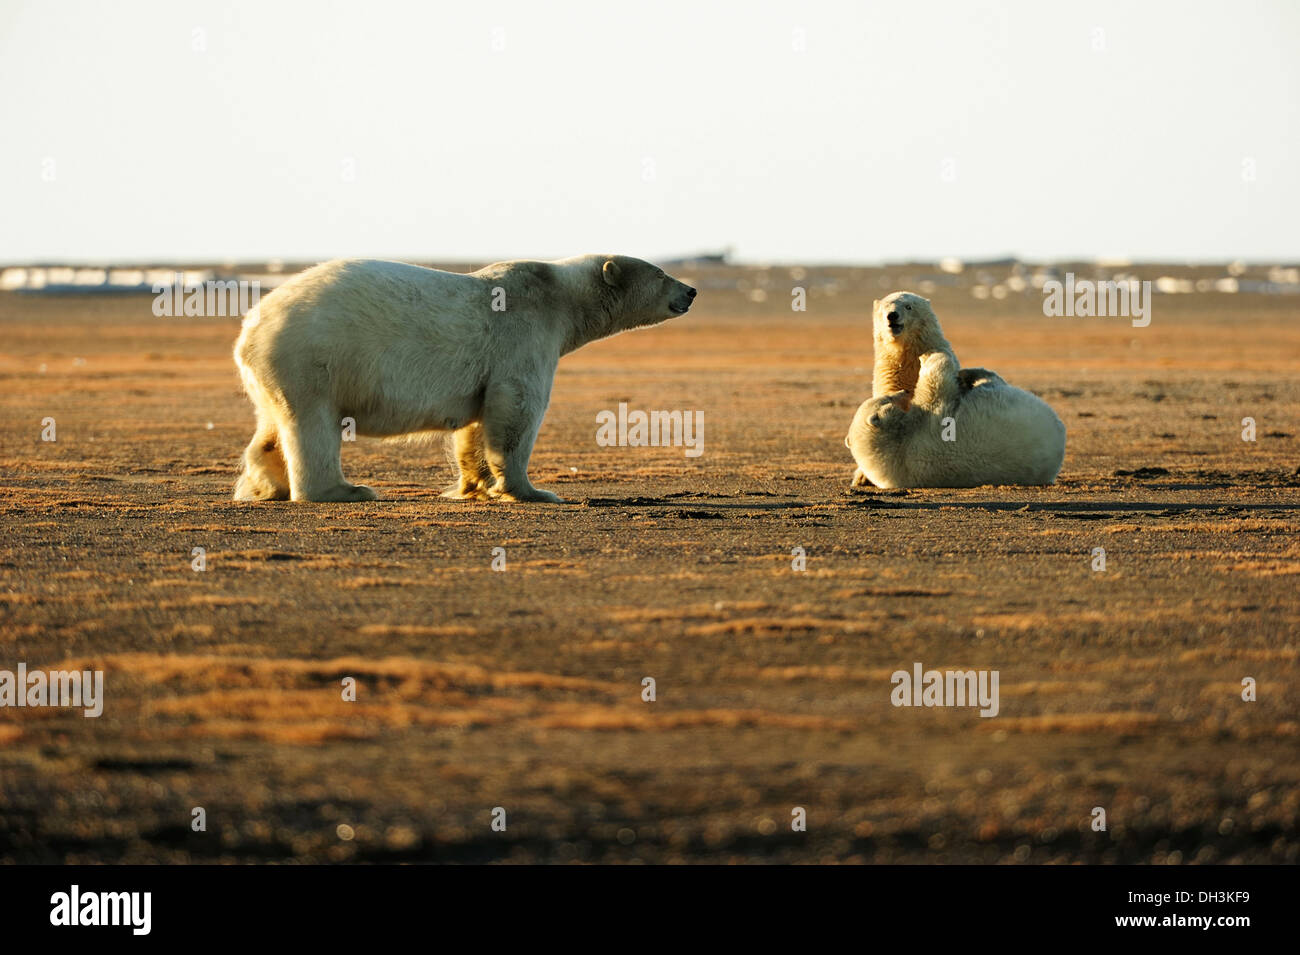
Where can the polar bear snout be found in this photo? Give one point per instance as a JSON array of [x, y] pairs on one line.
[[895, 322], [681, 303]]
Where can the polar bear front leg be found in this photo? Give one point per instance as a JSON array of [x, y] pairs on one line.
[[512, 416], [312, 442], [937, 387], [476, 477]]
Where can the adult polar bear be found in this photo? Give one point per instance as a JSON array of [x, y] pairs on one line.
[[402, 349], [932, 423]]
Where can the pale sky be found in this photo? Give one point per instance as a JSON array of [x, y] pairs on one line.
[[788, 131]]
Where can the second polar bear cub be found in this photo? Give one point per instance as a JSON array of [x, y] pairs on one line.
[[931, 423], [401, 349]]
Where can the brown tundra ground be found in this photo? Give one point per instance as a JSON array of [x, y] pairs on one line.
[[476, 689]]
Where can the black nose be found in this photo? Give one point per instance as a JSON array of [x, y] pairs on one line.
[[691, 293], [893, 318]]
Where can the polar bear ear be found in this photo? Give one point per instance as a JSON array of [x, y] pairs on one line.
[[610, 271]]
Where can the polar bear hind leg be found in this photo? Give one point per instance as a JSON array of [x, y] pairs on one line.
[[476, 477], [265, 476]]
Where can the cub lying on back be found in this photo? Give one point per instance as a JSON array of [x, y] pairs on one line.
[[931, 423]]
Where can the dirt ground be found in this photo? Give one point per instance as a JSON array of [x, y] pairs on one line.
[[477, 689]]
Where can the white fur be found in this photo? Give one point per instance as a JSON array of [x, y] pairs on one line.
[[1003, 435], [898, 352], [404, 349]]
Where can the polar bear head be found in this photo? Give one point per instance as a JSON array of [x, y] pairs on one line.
[[888, 414], [879, 438], [905, 319], [904, 328], [639, 293]]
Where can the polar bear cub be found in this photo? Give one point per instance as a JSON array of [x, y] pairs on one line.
[[931, 423], [949, 437], [903, 328], [401, 349]]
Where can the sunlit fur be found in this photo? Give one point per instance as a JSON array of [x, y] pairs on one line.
[[1000, 434], [408, 350]]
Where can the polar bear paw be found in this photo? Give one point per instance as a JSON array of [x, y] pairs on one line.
[[463, 492], [345, 493], [534, 494], [256, 487]]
